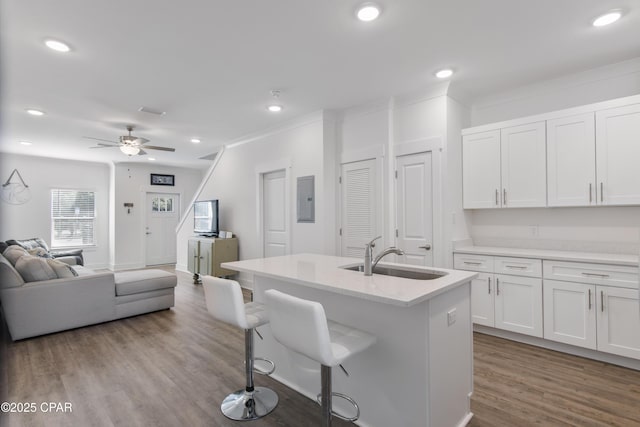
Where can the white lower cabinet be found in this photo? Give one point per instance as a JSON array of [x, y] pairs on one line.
[[589, 305], [482, 300], [618, 321], [570, 313], [505, 301], [518, 304], [584, 309]]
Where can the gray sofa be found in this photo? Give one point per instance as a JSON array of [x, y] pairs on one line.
[[34, 303]]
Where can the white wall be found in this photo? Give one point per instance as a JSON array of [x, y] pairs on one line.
[[132, 183], [591, 229], [599, 84], [303, 151], [33, 219]]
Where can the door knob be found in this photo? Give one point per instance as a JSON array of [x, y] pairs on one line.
[[425, 247], [147, 232]]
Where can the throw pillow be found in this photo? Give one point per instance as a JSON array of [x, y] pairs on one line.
[[34, 269], [34, 242], [13, 252], [61, 269], [41, 252]]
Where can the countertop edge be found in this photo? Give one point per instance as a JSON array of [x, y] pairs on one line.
[[552, 255]]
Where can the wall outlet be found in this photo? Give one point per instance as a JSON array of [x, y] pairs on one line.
[[533, 230], [451, 316]]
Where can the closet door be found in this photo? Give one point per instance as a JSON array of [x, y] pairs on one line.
[[359, 205]]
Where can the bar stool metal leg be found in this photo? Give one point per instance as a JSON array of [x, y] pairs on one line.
[[325, 390], [252, 402]]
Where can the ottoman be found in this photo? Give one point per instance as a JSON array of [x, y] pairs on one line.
[[143, 291]]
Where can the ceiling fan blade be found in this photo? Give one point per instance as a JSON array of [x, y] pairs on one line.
[[102, 144], [153, 147], [100, 139], [105, 146]]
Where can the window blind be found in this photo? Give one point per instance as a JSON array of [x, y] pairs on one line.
[[73, 216]]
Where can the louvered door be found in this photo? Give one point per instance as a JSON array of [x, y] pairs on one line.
[[358, 206]]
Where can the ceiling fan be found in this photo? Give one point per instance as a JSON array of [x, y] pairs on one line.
[[129, 144]]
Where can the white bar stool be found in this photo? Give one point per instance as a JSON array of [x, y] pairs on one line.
[[224, 302], [302, 326]]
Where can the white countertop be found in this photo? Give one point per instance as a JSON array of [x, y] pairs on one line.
[[324, 272], [598, 258]]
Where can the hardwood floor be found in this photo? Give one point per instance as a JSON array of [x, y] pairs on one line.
[[174, 367]]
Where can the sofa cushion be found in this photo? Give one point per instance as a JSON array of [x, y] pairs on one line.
[[9, 277], [34, 269], [62, 270], [133, 282], [13, 252]]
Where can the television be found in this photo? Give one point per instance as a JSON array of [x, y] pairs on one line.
[[205, 218]]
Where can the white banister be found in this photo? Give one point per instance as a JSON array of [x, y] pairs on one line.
[[204, 182]]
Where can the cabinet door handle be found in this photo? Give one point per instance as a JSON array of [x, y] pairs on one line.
[[517, 267], [497, 286], [497, 202], [471, 263], [489, 285], [425, 247], [601, 191], [602, 301], [602, 276], [589, 299], [504, 197], [590, 193]]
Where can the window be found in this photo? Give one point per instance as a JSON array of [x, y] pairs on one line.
[[162, 204], [73, 218]]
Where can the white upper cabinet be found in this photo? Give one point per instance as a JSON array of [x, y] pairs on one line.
[[583, 156], [571, 161], [481, 170], [523, 161], [618, 153], [505, 168]]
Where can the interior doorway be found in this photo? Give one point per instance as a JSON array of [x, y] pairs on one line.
[[162, 216], [275, 214], [414, 208]]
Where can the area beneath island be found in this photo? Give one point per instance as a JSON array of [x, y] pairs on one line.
[[419, 373]]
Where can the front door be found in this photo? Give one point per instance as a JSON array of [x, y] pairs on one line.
[[162, 219], [414, 208], [274, 214]]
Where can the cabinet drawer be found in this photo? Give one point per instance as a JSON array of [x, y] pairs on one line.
[[598, 274], [482, 263], [518, 266]]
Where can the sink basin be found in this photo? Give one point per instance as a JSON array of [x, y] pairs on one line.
[[404, 272]]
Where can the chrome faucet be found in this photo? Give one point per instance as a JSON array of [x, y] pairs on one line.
[[370, 264]]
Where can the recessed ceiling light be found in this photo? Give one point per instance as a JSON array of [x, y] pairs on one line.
[[443, 74], [57, 45], [25, 143], [151, 159], [195, 140], [274, 108], [368, 12], [608, 18], [35, 112]]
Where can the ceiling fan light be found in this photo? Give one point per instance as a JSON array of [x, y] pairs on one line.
[[129, 150]]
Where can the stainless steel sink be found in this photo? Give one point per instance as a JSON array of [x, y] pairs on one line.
[[404, 272]]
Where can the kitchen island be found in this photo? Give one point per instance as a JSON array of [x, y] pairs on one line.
[[419, 372]]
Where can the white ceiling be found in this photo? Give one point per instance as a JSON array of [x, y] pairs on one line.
[[210, 64]]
